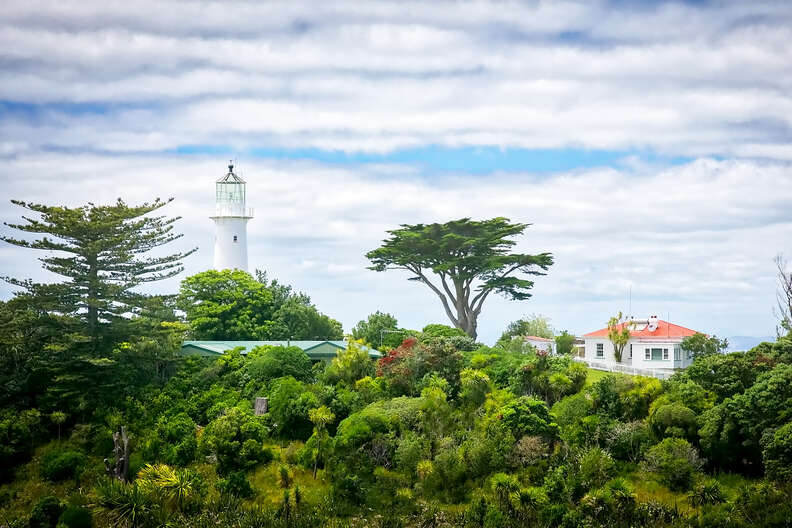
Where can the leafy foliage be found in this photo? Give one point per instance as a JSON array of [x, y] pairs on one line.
[[350, 365], [62, 464], [379, 330], [675, 460], [46, 512], [700, 345], [619, 335], [232, 305], [270, 362], [235, 439]]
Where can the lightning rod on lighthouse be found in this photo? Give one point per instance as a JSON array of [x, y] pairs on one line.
[[230, 218]]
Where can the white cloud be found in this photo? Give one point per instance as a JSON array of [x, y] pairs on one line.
[[678, 79]]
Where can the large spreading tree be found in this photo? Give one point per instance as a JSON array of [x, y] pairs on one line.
[[463, 262]]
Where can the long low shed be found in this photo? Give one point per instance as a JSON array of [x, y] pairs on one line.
[[316, 350]]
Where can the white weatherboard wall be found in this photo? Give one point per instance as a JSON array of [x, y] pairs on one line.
[[677, 358], [230, 246]]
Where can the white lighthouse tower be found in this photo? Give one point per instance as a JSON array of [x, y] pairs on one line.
[[231, 217]]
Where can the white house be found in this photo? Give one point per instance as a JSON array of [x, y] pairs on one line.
[[653, 344], [540, 343]]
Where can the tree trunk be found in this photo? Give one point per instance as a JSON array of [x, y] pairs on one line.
[[93, 312]]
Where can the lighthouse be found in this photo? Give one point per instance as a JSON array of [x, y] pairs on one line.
[[231, 218]]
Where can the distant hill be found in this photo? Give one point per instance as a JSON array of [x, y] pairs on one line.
[[742, 343]]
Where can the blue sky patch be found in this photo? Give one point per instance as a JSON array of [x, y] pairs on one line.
[[478, 160]]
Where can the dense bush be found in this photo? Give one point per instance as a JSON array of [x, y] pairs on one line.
[[595, 467], [474, 437], [235, 441], [46, 512], [675, 461], [289, 406], [270, 362], [235, 484], [172, 441], [528, 416], [18, 433], [62, 464], [350, 365], [732, 431], [777, 453], [76, 517]]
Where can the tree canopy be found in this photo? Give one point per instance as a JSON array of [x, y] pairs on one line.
[[232, 305], [470, 259], [532, 325], [703, 345], [101, 250], [380, 330]]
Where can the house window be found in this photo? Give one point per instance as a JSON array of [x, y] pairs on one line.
[[677, 353], [600, 350], [630, 351], [657, 354], [648, 354], [235, 238], [665, 353]]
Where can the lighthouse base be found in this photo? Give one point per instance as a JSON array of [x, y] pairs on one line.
[[230, 244]]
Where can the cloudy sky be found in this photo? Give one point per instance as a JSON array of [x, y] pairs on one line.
[[648, 143]]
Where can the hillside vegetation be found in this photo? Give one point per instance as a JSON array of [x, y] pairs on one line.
[[440, 432]]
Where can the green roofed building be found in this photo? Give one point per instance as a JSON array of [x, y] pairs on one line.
[[316, 350]]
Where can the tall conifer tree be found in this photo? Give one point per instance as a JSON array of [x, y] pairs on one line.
[[101, 250]]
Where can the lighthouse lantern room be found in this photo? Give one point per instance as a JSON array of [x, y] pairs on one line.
[[231, 217]]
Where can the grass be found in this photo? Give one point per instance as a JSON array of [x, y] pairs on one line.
[[593, 376], [647, 488], [17, 497], [265, 481], [732, 483]]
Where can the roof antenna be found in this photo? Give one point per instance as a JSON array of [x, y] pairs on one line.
[[630, 301]]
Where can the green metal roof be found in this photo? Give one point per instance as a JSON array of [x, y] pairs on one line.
[[312, 348]]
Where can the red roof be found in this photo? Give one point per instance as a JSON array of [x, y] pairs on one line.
[[537, 338], [664, 329]]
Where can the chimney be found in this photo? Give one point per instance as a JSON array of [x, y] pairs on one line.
[[652, 323]]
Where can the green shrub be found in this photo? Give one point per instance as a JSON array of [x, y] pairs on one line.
[[596, 467], [271, 362], [707, 492], [528, 416], [572, 409], [629, 441], [235, 485], [494, 518], [76, 517], [411, 450], [46, 512], [289, 406], [675, 460], [62, 465], [777, 453], [672, 419], [347, 488], [235, 439]]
